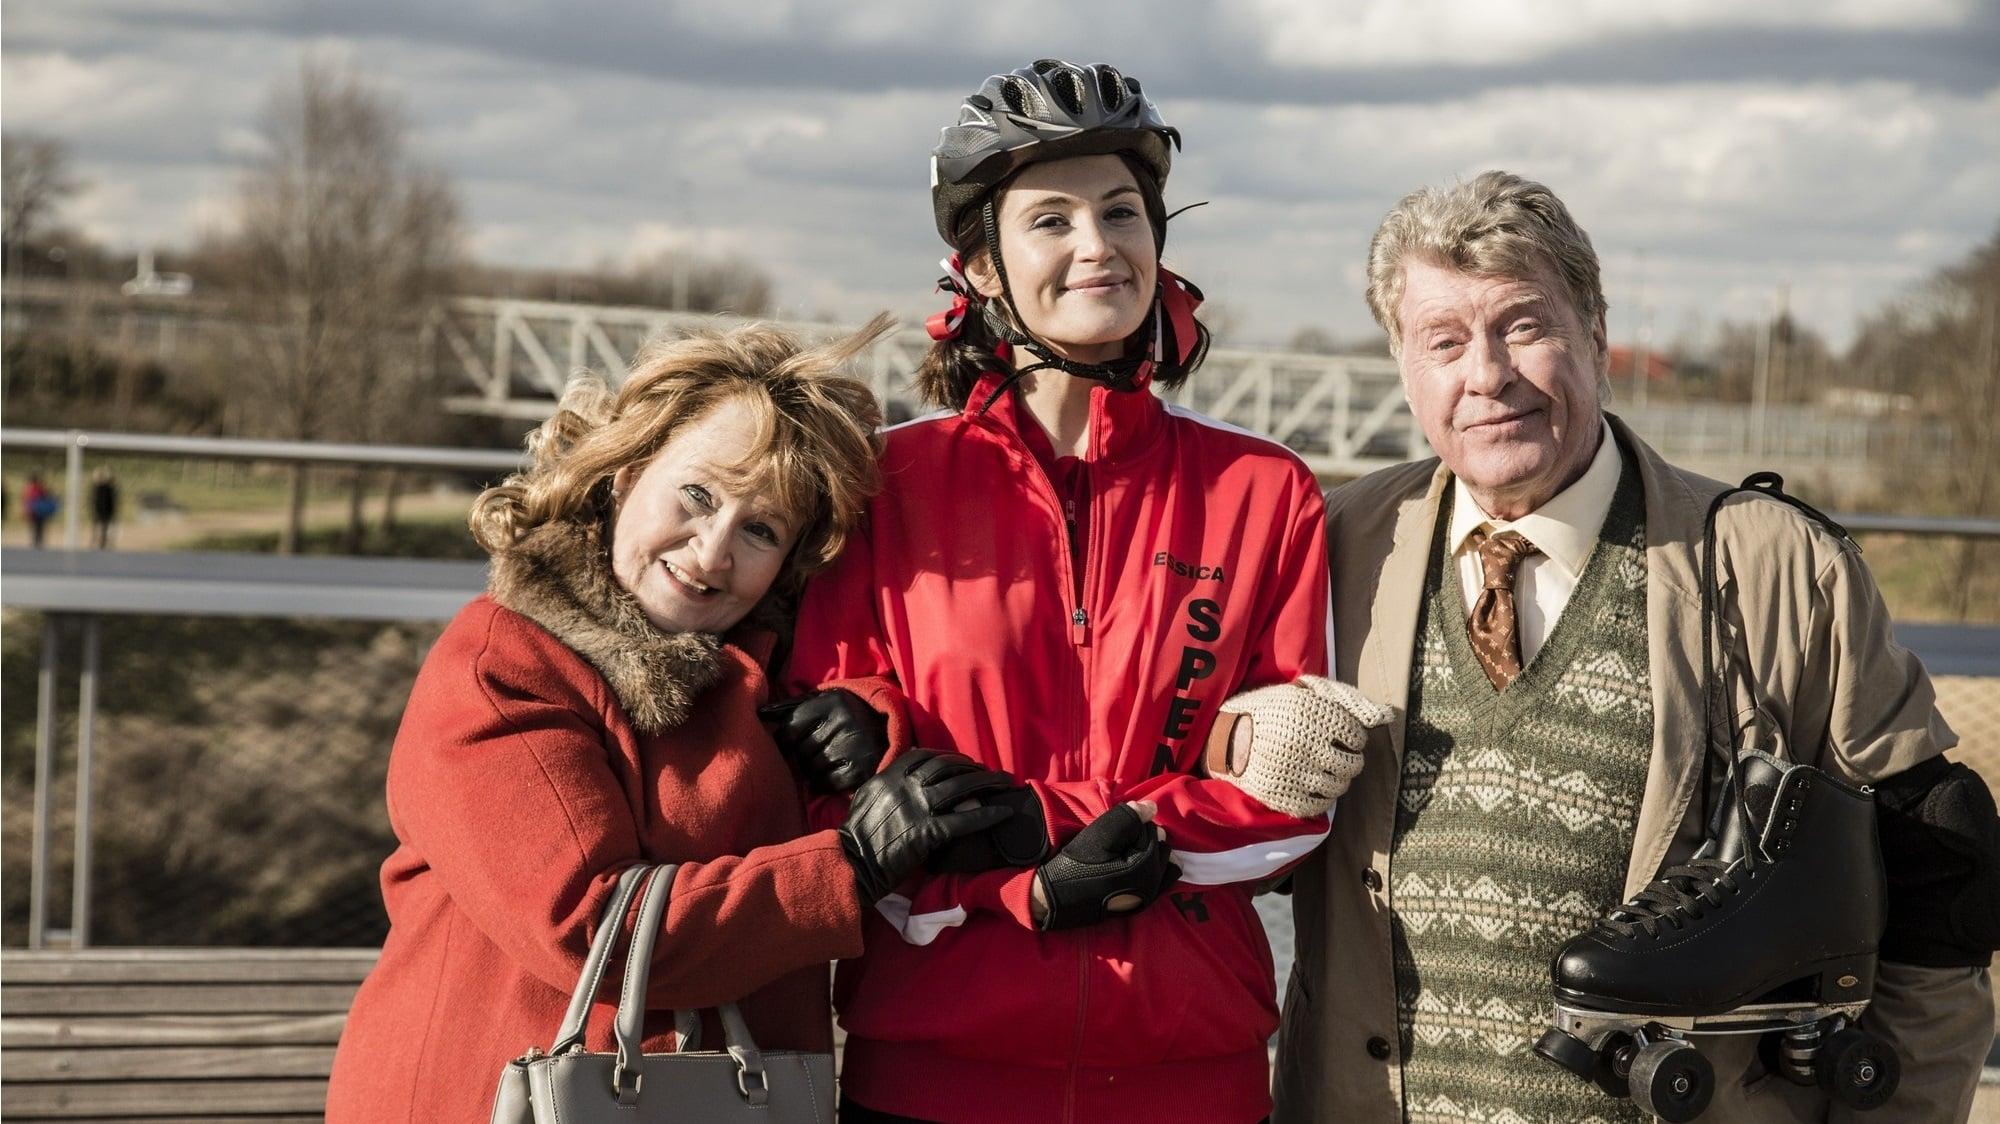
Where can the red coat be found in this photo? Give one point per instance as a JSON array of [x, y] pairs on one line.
[[535, 761], [1081, 640]]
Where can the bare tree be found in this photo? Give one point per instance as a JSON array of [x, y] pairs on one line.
[[668, 279], [343, 243], [1942, 347], [37, 178]]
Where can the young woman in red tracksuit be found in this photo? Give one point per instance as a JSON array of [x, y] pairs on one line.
[[1065, 577]]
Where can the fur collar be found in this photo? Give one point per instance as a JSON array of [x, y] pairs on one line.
[[559, 576]]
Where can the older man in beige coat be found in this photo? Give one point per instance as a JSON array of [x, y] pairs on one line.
[[1529, 603]]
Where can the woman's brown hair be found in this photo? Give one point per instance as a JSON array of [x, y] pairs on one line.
[[816, 442]]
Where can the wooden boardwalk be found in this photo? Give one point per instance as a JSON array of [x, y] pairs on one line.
[[173, 1034]]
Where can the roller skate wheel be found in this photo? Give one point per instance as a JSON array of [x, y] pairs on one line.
[[1858, 1069], [1568, 1051], [1613, 1074], [1672, 1081]]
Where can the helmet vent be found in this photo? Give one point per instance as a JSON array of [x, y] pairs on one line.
[[1067, 86], [1022, 99], [1110, 87]]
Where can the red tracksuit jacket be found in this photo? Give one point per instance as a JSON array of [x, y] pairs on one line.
[[1092, 672]]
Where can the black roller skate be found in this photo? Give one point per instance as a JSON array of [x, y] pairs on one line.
[[1770, 929]]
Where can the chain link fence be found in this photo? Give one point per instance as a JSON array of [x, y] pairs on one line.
[[238, 778]]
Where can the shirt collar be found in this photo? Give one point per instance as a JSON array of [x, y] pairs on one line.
[[1565, 528]]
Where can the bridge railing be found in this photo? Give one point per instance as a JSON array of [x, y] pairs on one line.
[[1345, 414]]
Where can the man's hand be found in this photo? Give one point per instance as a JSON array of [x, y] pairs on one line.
[[1115, 866], [1305, 741], [833, 739]]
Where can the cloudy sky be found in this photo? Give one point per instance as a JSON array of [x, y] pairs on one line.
[[1715, 149]]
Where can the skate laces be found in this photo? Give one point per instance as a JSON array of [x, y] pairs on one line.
[[1676, 897], [1680, 893]]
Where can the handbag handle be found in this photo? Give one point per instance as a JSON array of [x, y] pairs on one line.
[[570, 1035], [630, 1027]]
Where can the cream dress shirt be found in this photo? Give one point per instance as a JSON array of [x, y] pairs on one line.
[[1565, 529]]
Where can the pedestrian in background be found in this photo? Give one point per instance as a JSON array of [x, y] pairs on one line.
[[39, 505], [103, 507]]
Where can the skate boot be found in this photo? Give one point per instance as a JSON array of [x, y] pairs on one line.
[[1770, 927]]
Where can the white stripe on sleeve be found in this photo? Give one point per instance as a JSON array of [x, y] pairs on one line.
[[921, 928], [1249, 862]]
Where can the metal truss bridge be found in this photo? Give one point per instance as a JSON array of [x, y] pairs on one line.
[[1344, 414]]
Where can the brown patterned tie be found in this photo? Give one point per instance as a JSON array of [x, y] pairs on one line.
[[1496, 638]]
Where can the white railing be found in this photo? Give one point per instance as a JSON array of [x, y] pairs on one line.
[[1344, 414]]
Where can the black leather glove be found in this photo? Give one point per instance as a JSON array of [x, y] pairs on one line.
[[833, 739], [1116, 853], [903, 813], [1021, 840]]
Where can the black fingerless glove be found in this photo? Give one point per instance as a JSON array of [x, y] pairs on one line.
[[1116, 853], [833, 739], [1021, 840], [903, 813], [1941, 852]]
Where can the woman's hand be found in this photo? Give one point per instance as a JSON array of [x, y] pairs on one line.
[[833, 739], [1305, 742], [902, 814], [1115, 866], [1022, 840]]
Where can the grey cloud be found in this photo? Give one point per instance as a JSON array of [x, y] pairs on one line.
[[1209, 51], [807, 154]]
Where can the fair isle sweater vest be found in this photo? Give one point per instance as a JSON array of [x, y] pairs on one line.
[[1514, 824]]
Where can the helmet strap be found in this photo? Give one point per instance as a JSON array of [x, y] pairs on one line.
[[991, 224]]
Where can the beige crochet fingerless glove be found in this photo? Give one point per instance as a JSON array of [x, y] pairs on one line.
[[1305, 742]]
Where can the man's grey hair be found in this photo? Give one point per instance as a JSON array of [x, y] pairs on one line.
[[1496, 225]]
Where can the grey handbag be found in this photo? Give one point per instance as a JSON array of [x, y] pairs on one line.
[[569, 1086]]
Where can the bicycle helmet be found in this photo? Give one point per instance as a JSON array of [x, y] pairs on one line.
[[1047, 111]]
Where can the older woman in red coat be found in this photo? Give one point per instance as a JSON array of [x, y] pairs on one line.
[[597, 707]]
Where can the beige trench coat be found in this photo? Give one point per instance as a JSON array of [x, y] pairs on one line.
[[1802, 617]]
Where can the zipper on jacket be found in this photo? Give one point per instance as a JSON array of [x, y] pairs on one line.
[[1079, 617]]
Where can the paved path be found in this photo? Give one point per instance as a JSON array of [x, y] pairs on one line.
[[172, 532]]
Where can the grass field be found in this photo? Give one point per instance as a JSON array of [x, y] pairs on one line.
[[191, 486], [1917, 576]]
